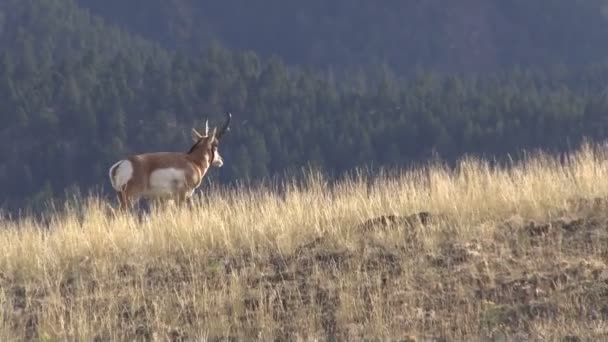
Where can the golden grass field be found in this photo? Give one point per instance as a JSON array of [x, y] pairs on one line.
[[479, 253]]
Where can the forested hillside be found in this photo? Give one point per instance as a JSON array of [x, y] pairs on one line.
[[77, 92], [469, 35]]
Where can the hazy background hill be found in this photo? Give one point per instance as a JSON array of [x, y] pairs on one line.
[[467, 35], [337, 85]]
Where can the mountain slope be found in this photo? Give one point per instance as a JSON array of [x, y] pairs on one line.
[[82, 96], [468, 35], [53, 30]]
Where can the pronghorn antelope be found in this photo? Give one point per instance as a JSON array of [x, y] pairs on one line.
[[169, 175]]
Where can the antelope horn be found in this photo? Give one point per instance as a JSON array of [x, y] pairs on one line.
[[195, 134], [224, 128], [206, 127]]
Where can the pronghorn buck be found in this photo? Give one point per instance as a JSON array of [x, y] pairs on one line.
[[168, 175]]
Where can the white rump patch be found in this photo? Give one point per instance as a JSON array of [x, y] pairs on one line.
[[124, 172], [164, 182]]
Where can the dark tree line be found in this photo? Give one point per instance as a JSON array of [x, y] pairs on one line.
[[76, 94]]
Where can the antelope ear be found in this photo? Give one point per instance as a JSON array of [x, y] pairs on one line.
[[196, 135]]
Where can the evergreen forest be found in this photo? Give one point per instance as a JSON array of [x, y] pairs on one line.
[[336, 85]]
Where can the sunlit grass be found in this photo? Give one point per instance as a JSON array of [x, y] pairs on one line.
[[109, 262]]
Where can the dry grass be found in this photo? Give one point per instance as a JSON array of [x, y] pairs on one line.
[[512, 252]]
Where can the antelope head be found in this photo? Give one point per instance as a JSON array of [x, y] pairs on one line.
[[207, 144]]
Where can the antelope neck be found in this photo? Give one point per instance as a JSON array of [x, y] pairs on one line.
[[198, 159]]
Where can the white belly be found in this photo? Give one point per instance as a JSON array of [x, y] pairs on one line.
[[165, 182]]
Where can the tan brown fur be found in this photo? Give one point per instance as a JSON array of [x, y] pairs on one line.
[[195, 167], [195, 164]]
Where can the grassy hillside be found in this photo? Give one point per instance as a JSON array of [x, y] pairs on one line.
[[473, 253]]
